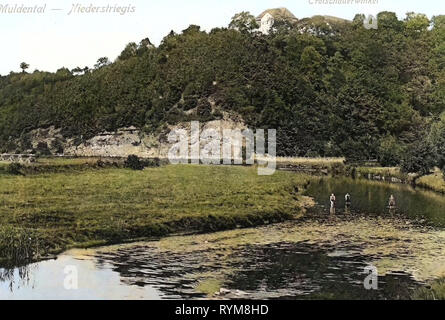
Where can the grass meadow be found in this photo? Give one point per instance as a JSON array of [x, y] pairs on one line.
[[48, 212]]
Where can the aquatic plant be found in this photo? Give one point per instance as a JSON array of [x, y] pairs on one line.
[[18, 245], [435, 290]]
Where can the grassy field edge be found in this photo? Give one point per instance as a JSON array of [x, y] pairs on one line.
[[44, 214]]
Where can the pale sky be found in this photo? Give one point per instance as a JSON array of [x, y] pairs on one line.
[[55, 38]]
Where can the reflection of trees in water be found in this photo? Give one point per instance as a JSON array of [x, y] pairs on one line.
[[279, 270], [298, 270], [172, 273], [17, 277]]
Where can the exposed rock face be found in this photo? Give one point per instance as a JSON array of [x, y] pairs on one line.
[[321, 25], [48, 140], [266, 23], [278, 14], [315, 25], [206, 144], [267, 18], [122, 143], [20, 158]]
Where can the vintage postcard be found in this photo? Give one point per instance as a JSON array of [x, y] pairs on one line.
[[200, 151]]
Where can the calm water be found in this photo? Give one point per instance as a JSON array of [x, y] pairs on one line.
[[371, 197], [320, 256]]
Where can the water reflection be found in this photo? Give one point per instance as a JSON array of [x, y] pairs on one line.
[[279, 270], [46, 279], [347, 208], [17, 277], [305, 271]]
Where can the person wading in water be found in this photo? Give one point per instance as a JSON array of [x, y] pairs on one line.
[[392, 202], [347, 203], [332, 200], [347, 199]]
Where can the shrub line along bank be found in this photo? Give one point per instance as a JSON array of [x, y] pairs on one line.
[[323, 166]]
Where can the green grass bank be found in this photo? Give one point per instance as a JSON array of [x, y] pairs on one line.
[[45, 213]]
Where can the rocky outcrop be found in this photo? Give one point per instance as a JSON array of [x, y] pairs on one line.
[[268, 17], [121, 143], [19, 158]]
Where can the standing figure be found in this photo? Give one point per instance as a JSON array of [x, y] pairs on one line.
[[347, 200], [347, 203], [392, 205], [392, 202], [332, 200]]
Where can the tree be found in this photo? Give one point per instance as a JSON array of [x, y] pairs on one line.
[[390, 152], [437, 139], [416, 22], [243, 22], [419, 158], [389, 20], [24, 66], [192, 29], [145, 43], [358, 20], [102, 62], [310, 62], [129, 51], [77, 71], [438, 61]]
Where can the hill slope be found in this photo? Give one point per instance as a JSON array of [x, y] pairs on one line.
[[341, 91]]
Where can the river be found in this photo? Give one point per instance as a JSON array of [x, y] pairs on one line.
[[325, 254]]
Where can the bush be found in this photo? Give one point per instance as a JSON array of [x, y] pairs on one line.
[[57, 146], [188, 103], [437, 138], [419, 159], [312, 154], [18, 245], [15, 168], [337, 168], [390, 152], [25, 142], [133, 162], [435, 290], [42, 149], [100, 163], [155, 162], [204, 110]]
